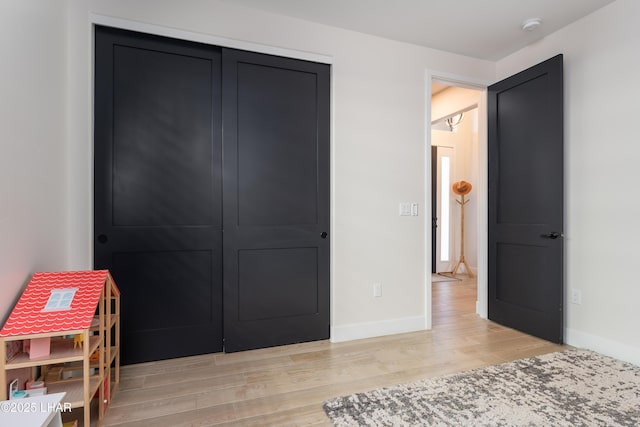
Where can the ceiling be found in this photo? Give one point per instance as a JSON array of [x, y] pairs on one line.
[[487, 29], [436, 87]]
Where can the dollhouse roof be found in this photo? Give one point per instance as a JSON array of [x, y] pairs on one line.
[[38, 311]]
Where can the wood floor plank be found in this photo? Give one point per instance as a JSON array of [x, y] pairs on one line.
[[285, 386]]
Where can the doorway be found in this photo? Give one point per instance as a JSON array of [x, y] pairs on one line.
[[456, 151], [527, 264]]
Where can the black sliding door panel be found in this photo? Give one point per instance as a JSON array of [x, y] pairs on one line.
[[276, 194], [158, 190]]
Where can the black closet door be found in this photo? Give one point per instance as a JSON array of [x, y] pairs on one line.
[[158, 190], [276, 200]]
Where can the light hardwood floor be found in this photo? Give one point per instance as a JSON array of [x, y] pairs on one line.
[[287, 385]]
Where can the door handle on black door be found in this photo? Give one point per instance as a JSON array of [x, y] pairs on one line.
[[323, 234], [102, 238], [552, 235]]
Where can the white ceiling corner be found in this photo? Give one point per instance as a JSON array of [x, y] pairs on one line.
[[487, 29]]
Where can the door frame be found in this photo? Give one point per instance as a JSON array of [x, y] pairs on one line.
[[481, 188]]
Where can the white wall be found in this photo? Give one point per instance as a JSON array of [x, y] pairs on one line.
[[602, 210], [80, 135], [33, 164], [378, 148]]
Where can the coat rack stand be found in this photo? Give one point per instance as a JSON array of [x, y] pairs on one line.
[[462, 203]]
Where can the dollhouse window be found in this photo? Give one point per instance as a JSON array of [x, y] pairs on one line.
[[60, 299]]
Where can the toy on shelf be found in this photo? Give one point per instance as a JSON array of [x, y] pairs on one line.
[[77, 340]]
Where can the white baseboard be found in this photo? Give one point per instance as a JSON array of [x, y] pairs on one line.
[[604, 346], [358, 331]]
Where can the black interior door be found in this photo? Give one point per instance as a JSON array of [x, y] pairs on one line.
[[158, 186], [276, 210], [526, 284]]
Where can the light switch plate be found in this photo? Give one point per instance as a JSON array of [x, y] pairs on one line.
[[405, 209], [377, 290]]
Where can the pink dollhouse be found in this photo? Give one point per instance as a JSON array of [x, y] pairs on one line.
[[55, 302]]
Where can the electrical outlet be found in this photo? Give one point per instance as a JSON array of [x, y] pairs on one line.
[[576, 296], [377, 290], [405, 209]]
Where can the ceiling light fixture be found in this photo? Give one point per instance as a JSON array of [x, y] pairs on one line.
[[531, 24], [454, 121]]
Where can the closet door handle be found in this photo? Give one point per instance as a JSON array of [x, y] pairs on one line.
[[102, 238], [324, 234], [552, 235]]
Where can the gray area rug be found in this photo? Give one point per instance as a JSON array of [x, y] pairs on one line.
[[569, 388]]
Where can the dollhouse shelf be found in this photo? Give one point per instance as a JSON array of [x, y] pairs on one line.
[[92, 312], [62, 351], [75, 390]]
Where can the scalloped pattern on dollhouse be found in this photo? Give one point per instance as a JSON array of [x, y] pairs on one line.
[[28, 317]]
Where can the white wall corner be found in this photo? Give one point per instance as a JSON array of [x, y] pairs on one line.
[[602, 345], [358, 331]]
